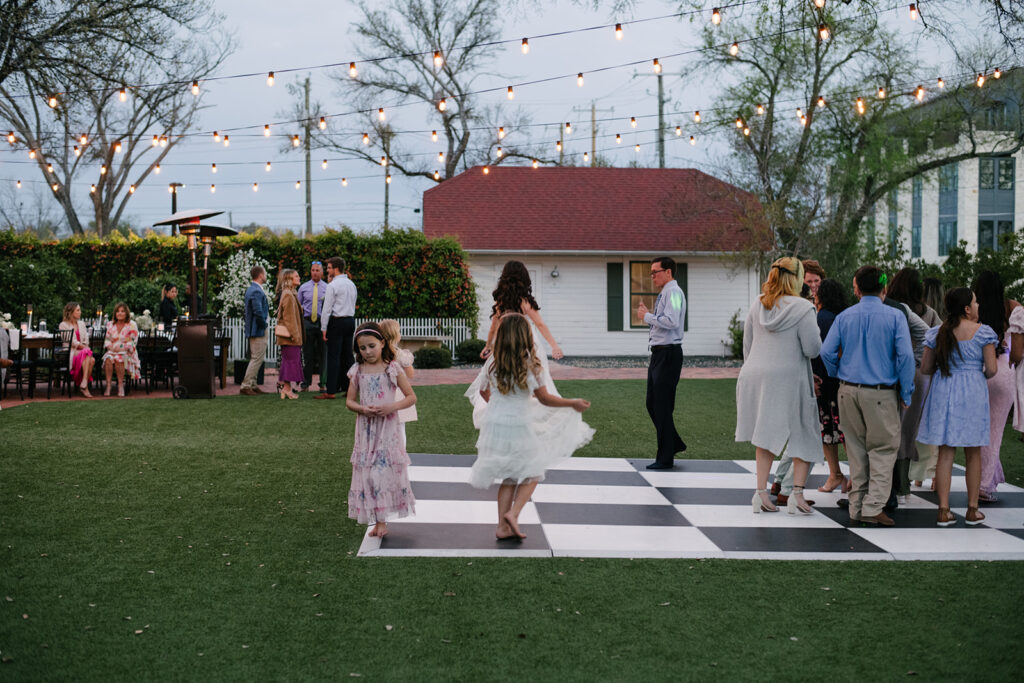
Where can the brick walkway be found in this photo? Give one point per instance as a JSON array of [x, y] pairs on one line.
[[423, 378]]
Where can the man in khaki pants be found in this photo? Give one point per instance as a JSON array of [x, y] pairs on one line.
[[869, 350]]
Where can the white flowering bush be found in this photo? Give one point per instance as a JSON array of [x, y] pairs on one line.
[[144, 321], [236, 279]]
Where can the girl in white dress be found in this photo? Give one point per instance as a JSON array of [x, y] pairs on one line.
[[525, 429], [392, 331]]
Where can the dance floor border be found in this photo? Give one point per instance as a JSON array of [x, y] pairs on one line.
[[614, 508]]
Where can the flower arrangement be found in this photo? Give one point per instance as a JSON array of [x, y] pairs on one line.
[[236, 279], [144, 321], [5, 322]]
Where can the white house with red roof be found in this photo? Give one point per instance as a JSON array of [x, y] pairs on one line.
[[587, 236]]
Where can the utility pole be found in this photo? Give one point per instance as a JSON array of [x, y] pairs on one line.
[[385, 139], [309, 188], [661, 125], [593, 128], [174, 204]]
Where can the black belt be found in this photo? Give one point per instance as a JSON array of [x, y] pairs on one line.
[[661, 347], [869, 386]]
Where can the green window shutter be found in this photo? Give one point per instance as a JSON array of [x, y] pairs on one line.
[[682, 280], [615, 302]]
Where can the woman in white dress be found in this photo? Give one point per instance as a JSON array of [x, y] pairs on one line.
[[775, 403]]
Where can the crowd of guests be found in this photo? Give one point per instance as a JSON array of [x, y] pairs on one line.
[[902, 379], [120, 353]]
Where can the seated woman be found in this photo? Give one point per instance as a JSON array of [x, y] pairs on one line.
[[81, 360], [119, 352], [168, 305]]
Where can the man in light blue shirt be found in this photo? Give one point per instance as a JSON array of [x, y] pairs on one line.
[[869, 350], [666, 342]]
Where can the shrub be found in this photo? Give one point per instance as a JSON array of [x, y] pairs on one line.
[[141, 294], [469, 350], [432, 358], [43, 280], [734, 337]]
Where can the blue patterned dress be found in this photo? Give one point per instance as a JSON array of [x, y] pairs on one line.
[[380, 466], [956, 410]]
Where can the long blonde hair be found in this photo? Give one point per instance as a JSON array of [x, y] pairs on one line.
[[784, 279], [514, 353], [284, 278], [392, 332]]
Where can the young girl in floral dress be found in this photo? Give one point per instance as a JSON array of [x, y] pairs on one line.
[[525, 429], [380, 476], [392, 332]]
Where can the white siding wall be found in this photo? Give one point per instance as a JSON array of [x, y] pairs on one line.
[[574, 305]]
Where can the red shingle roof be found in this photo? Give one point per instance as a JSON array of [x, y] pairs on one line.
[[592, 209]]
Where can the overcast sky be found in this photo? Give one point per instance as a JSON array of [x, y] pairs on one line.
[[277, 36]]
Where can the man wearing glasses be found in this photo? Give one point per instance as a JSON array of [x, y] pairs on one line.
[[314, 352], [666, 342]]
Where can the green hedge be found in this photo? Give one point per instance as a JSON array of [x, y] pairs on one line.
[[399, 273]]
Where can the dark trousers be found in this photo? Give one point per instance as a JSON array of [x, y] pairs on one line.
[[662, 379], [339, 352], [314, 353]]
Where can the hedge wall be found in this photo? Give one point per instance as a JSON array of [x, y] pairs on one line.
[[399, 273]]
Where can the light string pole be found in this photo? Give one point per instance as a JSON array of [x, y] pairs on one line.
[[306, 145]]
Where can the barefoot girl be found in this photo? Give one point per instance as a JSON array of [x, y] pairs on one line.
[[380, 477], [525, 429]]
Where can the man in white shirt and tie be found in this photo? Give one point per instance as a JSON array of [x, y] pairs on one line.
[[666, 342], [337, 325], [311, 300]]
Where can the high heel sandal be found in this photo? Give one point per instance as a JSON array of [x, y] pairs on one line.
[[761, 503], [829, 489], [283, 395], [946, 517], [973, 517], [793, 506]]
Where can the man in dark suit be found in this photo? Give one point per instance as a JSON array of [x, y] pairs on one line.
[[256, 311]]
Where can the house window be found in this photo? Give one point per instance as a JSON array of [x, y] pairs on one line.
[[915, 219], [641, 288], [949, 182], [995, 200]]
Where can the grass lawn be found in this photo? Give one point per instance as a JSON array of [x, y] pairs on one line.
[[208, 540]]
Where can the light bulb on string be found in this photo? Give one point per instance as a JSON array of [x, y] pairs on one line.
[[498, 153], [156, 169], [486, 170], [213, 168], [380, 114], [913, 11], [568, 128], [823, 32], [195, 87], [49, 168], [510, 93], [819, 3], [77, 151], [216, 136], [881, 93], [323, 123], [739, 122], [19, 185], [227, 140], [618, 139], [213, 188], [526, 46], [440, 157], [716, 16], [117, 147], [696, 117], [860, 105], [270, 79], [387, 179], [438, 59], [366, 138], [941, 83], [693, 140], [266, 131], [323, 164], [31, 154], [383, 161], [295, 141], [344, 182], [501, 132], [10, 137], [997, 73], [83, 140], [803, 121], [298, 184], [586, 157], [579, 79], [919, 93], [103, 169], [734, 49], [267, 167], [156, 140], [52, 101], [632, 121], [437, 174], [679, 131], [821, 101], [131, 189], [637, 148], [558, 145], [980, 80], [657, 66], [443, 104], [536, 164], [163, 141], [618, 31], [352, 71], [92, 188], [255, 187], [433, 136], [122, 94], [56, 187], [760, 110], [746, 130]]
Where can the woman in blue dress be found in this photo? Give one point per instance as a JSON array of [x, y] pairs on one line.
[[956, 411]]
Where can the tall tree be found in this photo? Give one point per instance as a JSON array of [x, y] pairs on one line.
[[127, 129]]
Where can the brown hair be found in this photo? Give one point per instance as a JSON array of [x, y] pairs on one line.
[[127, 312], [813, 267], [945, 341], [284, 278], [69, 308], [513, 287], [255, 271], [785, 278], [514, 353], [337, 263], [372, 329]]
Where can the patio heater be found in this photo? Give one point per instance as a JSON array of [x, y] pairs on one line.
[[195, 333], [208, 234]]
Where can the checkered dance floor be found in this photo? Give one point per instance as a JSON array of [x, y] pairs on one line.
[[608, 507]]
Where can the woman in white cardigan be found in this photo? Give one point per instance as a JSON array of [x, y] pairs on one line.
[[775, 404], [80, 358]]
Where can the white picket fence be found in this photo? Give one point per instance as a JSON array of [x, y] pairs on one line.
[[450, 331]]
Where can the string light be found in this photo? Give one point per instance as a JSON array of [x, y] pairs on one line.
[[823, 32], [501, 132], [860, 106], [366, 138], [716, 16], [558, 145], [213, 188], [163, 141], [131, 189], [739, 122], [526, 46], [170, 188], [387, 179], [384, 161], [323, 123], [919, 93], [56, 187], [295, 141], [443, 104], [586, 157], [213, 168], [881, 93], [913, 11], [440, 157], [19, 185], [941, 83], [123, 94], [579, 79], [52, 101], [821, 101], [799, 112], [568, 128], [323, 164], [981, 80], [83, 140], [819, 3], [103, 169], [266, 131], [618, 141], [637, 148], [49, 168], [77, 151], [679, 131], [499, 153], [216, 136], [10, 137], [696, 116], [352, 72], [31, 154], [344, 182], [156, 140], [632, 121], [760, 110], [997, 73], [156, 169], [734, 49], [267, 167], [298, 184], [536, 163], [92, 188], [380, 113], [195, 87], [227, 141], [117, 147], [437, 174], [657, 66], [438, 59], [255, 187], [693, 140], [746, 130], [510, 93], [433, 136], [270, 79], [618, 31]]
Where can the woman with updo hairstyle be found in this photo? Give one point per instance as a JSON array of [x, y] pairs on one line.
[[168, 304], [960, 355], [775, 403]]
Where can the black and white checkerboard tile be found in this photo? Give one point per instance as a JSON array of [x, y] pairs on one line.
[[609, 507]]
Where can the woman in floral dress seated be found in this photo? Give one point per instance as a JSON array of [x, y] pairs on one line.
[[119, 349]]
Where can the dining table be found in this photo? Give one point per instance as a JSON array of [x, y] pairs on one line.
[[33, 343]]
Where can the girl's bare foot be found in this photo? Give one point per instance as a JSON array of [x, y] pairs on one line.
[[504, 532], [380, 530], [513, 524]]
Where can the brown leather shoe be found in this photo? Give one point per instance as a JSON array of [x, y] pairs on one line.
[[323, 397], [973, 517], [257, 390], [776, 488], [881, 519], [247, 391]]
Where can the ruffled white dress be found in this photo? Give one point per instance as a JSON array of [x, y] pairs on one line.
[[520, 438]]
